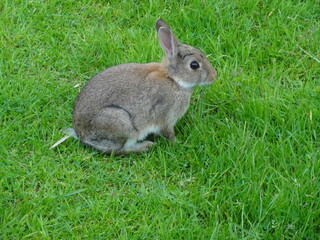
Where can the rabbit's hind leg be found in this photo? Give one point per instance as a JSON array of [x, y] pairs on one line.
[[110, 129], [103, 145], [114, 122], [114, 127]]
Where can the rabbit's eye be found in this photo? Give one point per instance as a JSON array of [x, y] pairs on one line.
[[194, 65]]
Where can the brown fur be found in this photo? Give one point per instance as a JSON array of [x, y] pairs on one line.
[[120, 106]]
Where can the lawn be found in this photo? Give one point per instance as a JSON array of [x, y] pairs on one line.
[[247, 161]]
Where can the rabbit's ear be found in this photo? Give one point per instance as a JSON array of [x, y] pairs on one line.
[[168, 42], [160, 23], [167, 39]]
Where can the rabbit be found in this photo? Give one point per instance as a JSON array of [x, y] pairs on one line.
[[119, 107]]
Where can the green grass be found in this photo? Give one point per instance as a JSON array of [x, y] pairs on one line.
[[246, 164]]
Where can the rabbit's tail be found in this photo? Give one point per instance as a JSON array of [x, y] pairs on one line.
[[70, 133]]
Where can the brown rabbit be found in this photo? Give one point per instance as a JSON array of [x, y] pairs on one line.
[[118, 108]]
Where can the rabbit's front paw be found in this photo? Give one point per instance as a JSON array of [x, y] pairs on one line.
[[169, 134]]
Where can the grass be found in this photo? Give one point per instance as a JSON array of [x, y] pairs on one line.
[[246, 164]]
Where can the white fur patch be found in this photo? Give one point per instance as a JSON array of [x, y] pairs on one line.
[[148, 130], [184, 84], [189, 85], [130, 143]]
